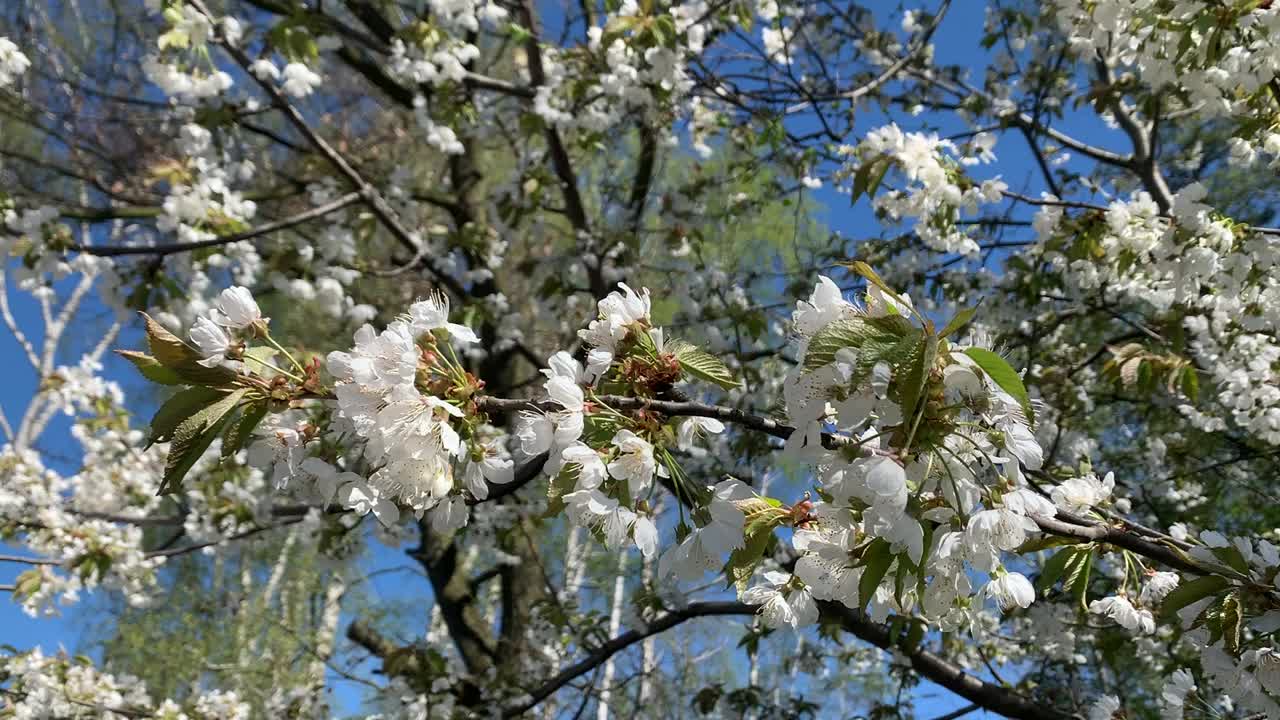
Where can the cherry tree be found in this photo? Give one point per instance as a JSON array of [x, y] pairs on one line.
[[545, 295]]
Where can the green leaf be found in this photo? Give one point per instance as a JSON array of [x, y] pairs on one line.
[[1004, 376], [1190, 592], [704, 366], [869, 176], [239, 432], [193, 436], [924, 558], [1211, 620], [180, 406], [915, 635], [1053, 568], [27, 584], [905, 568], [151, 368], [664, 30], [874, 278], [895, 628], [645, 345], [875, 563], [260, 354], [170, 351], [1230, 556], [1232, 619], [958, 323], [742, 562], [1079, 581], [1190, 383], [1045, 542], [874, 339], [877, 177], [917, 377], [198, 374], [562, 484]]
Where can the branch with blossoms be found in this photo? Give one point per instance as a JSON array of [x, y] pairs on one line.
[[925, 464]]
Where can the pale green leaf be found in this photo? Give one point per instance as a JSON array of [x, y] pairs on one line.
[[180, 406], [1191, 591], [875, 563], [1004, 376], [958, 323], [193, 436], [151, 368], [705, 366]]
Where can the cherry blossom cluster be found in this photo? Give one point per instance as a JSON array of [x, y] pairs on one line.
[[12, 62], [1234, 625], [297, 80], [75, 547], [644, 56], [214, 335], [38, 685], [1223, 66], [1230, 619], [934, 192], [400, 391], [34, 233], [201, 197], [1215, 274], [174, 68], [924, 496], [928, 486], [602, 467]]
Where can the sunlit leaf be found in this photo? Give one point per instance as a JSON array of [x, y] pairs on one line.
[[1004, 376]]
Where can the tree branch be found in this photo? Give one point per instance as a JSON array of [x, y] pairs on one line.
[[376, 203], [171, 248], [921, 42], [620, 643], [574, 209], [928, 664]]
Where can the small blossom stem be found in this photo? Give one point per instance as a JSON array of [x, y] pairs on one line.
[[297, 365], [269, 366]]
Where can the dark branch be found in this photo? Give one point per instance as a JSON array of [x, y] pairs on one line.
[[930, 665], [171, 248]]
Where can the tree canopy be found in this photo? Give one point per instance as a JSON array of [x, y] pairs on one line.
[[724, 358]]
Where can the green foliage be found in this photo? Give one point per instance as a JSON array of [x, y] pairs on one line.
[[883, 339], [216, 400], [174, 354], [876, 559], [151, 368], [194, 435], [1004, 376], [1054, 567], [959, 322], [1133, 367], [867, 179], [704, 366], [1191, 591], [762, 517], [226, 624], [177, 409], [239, 431], [916, 377]]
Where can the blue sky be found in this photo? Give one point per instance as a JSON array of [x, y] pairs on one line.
[[956, 41]]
